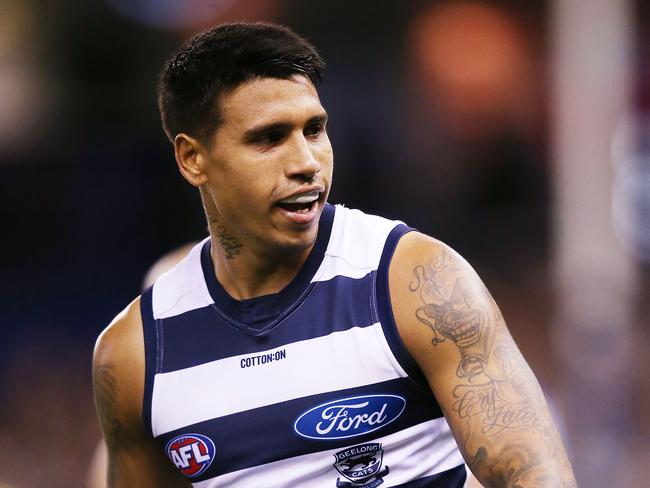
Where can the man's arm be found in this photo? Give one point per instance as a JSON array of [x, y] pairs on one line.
[[118, 380], [490, 397]]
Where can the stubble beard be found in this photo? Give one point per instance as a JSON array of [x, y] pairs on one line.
[[285, 247]]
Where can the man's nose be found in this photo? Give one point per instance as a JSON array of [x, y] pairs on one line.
[[302, 162]]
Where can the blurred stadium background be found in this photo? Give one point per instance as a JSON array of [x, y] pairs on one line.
[[518, 132]]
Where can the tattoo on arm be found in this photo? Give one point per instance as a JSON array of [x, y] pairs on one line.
[[106, 392], [106, 399], [495, 392], [451, 313], [133, 460]]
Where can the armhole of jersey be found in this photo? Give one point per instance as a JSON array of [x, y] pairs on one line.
[[385, 309], [150, 355]]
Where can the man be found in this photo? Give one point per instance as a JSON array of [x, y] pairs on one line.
[[303, 344]]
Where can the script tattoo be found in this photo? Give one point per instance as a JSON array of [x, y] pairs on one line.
[[496, 394], [229, 243]]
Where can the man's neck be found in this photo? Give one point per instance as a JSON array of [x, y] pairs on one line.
[[247, 274]]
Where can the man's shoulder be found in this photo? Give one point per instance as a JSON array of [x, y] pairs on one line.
[[120, 337], [416, 252], [413, 250], [414, 246]]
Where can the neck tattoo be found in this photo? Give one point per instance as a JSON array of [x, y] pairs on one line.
[[229, 243]]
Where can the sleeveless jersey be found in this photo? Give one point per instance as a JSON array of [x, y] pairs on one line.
[[323, 394]]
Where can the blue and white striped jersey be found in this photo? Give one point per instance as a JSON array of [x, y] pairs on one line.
[[321, 394]]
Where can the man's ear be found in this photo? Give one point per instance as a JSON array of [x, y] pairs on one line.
[[190, 159]]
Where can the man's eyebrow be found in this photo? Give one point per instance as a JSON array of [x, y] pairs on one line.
[[255, 132], [318, 119]]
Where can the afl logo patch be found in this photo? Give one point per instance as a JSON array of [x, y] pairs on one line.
[[192, 454], [349, 417]]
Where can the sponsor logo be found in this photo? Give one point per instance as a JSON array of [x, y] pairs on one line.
[[269, 357], [349, 417], [192, 454], [361, 466]]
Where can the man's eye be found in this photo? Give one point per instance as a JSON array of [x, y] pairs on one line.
[[314, 130], [270, 138]]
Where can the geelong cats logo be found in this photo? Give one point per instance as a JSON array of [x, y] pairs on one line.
[[361, 465], [192, 454], [349, 417]]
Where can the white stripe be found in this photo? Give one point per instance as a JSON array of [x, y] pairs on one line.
[[355, 246], [182, 288], [422, 450], [340, 360]]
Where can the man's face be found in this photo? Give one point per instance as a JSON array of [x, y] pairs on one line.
[[269, 168]]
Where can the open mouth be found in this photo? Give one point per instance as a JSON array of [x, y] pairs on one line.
[[301, 203], [297, 207]]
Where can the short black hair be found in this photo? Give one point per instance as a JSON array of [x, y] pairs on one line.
[[221, 59]]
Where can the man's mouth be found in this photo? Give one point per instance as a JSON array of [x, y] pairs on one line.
[[301, 208], [302, 203]]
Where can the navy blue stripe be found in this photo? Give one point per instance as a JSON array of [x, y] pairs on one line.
[[150, 355], [235, 311], [385, 309], [266, 434], [452, 478], [202, 335]]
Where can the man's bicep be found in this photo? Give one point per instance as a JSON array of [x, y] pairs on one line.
[[490, 397], [133, 458], [106, 399], [114, 391], [118, 382]]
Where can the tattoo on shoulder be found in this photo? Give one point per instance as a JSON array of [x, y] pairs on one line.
[[492, 388], [449, 309]]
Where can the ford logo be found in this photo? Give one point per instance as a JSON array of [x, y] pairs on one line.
[[349, 417]]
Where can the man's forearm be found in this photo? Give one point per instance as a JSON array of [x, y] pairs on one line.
[[512, 440]]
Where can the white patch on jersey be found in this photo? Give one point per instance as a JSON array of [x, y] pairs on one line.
[[182, 288], [313, 366], [355, 246]]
